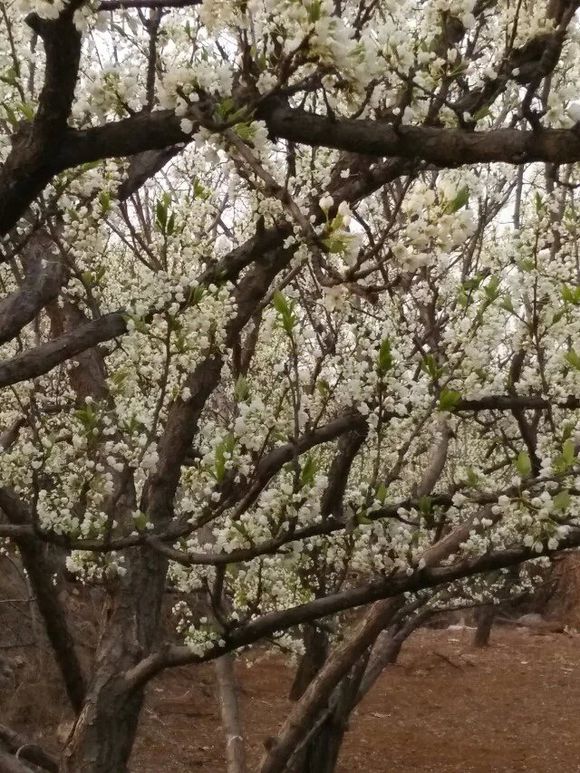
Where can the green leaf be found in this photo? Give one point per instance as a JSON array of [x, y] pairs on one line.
[[11, 116], [425, 505], [87, 417], [88, 278], [385, 359], [523, 464], [283, 308], [280, 303], [381, 493], [196, 294], [491, 289], [462, 298], [507, 304], [119, 376], [105, 201], [226, 107], [562, 500], [567, 430], [481, 113], [472, 478], [334, 244], [138, 322], [140, 520], [323, 387], [227, 445], [571, 294], [245, 131], [27, 111], [241, 389], [448, 399], [473, 282], [314, 11], [308, 472], [429, 366], [460, 200], [568, 452], [161, 213], [199, 190], [573, 358]]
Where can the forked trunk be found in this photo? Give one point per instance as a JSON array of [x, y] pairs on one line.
[[320, 752], [102, 737], [104, 733]]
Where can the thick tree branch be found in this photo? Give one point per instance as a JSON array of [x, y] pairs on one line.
[[441, 147], [509, 403], [40, 573], [31, 164], [445, 148], [10, 764], [272, 622], [43, 358]]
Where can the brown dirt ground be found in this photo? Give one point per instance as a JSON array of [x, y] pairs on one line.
[[444, 708]]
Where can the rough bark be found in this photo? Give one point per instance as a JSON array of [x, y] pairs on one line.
[[321, 749], [321, 688], [32, 165], [387, 649], [103, 734], [44, 276]]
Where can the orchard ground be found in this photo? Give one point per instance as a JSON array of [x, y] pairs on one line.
[[444, 708]]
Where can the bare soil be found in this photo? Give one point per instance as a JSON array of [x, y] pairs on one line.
[[444, 708]]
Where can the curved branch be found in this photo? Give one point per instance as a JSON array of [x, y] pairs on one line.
[[273, 622], [441, 147], [41, 359], [41, 574]]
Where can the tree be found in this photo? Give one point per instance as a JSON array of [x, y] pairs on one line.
[[288, 327]]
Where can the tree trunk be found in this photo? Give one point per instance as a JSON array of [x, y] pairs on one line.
[[321, 750], [235, 751], [103, 734], [319, 693], [320, 754], [484, 617], [315, 654]]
